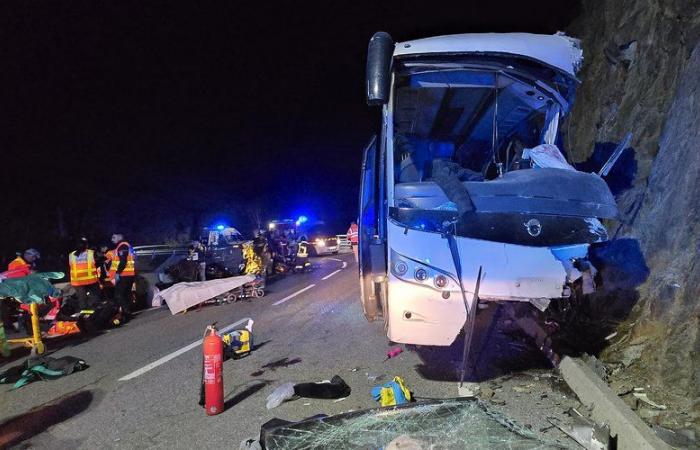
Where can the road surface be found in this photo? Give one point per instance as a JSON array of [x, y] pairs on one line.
[[142, 387]]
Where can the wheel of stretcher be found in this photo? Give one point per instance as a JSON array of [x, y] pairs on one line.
[[259, 292]]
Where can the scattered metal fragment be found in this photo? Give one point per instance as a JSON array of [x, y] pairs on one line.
[[586, 433], [641, 396]]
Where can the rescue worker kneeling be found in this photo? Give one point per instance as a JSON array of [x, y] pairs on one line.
[[83, 275]]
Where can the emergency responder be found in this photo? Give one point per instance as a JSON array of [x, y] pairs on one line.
[[83, 275], [23, 265], [122, 272], [353, 234]]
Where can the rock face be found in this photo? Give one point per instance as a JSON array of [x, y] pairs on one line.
[[641, 74]]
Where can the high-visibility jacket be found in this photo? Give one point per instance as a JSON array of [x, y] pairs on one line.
[[106, 266], [82, 268], [18, 268], [129, 269], [353, 232]]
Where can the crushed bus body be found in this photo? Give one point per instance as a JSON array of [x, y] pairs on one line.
[[470, 153]]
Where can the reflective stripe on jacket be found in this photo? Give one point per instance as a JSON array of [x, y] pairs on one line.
[[129, 269], [353, 234], [82, 268], [18, 268]]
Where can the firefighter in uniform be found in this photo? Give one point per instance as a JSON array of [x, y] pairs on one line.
[[83, 275], [353, 234], [22, 265], [122, 273]]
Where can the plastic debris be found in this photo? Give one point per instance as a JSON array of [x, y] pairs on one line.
[[393, 353], [392, 393], [279, 395], [333, 389]]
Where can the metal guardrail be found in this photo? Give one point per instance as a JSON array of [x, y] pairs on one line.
[[344, 243]]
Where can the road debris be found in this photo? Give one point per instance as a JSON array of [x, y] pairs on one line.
[[374, 378], [642, 397], [486, 393], [327, 389], [393, 353], [586, 433], [392, 393], [41, 368], [452, 423], [524, 389], [468, 389]]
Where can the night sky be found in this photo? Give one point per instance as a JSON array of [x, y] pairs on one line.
[[147, 115]]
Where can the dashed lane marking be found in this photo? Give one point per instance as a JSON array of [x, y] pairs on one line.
[[177, 353], [331, 274], [291, 296]]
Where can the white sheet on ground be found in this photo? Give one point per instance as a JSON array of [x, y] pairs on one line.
[[181, 296]]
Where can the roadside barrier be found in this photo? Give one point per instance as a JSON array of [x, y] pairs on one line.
[[344, 244]]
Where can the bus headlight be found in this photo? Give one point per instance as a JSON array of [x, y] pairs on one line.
[[440, 281], [400, 268], [416, 272], [320, 242]]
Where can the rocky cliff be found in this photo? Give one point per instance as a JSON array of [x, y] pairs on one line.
[[642, 74]]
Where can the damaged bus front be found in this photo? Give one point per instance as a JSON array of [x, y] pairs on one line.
[[467, 177]]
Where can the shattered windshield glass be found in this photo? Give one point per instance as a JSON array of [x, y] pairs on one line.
[[480, 119], [441, 424], [480, 141]]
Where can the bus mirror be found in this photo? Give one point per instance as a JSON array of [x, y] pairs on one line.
[[379, 54]]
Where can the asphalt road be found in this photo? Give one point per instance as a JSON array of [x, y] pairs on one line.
[[308, 327]]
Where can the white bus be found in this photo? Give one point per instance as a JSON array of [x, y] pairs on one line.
[[466, 176]]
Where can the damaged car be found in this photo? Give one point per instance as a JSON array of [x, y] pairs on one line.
[[467, 195]]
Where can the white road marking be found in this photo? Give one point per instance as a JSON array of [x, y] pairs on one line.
[[345, 264], [177, 353], [291, 296], [331, 274], [335, 259]]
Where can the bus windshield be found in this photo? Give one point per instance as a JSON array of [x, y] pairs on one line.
[[478, 118]]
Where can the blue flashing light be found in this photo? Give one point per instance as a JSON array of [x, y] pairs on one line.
[[302, 219], [220, 227]]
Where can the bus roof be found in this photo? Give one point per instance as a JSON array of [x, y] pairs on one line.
[[557, 50]]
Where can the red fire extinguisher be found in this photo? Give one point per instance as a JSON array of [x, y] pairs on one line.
[[212, 376]]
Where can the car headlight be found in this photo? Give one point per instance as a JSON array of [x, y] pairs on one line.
[[320, 242], [412, 271]]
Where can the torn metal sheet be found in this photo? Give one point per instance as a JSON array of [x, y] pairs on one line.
[[453, 423], [586, 433]]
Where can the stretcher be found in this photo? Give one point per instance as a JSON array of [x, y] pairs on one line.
[[30, 291], [181, 296], [33, 342]]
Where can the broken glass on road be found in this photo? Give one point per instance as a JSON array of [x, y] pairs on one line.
[[439, 424]]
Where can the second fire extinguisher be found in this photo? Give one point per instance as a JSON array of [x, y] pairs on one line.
[[212, 373]]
